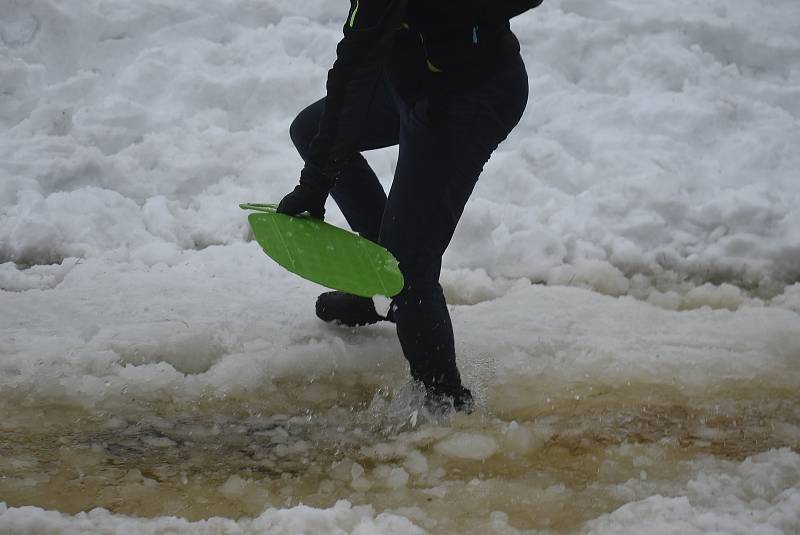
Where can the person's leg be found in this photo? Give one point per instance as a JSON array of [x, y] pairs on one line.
[[358, 193], [443, 147]]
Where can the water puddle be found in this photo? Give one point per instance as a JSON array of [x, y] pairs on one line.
[[582, 452]]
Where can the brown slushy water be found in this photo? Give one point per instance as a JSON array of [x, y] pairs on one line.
[[551, 465]]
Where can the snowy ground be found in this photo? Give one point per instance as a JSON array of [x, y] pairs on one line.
[[156, 365]]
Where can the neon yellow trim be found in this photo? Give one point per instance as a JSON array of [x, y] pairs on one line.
[[353, 16], [432, 67]]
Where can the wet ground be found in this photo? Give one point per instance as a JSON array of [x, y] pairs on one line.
[[550, 465]]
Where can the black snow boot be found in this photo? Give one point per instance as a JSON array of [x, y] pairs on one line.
[[348, 309], [442, 402]]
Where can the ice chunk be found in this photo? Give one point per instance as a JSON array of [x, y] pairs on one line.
[[397, 478], [356, 471], [722, 296], [416, 463], [234, 486], [518, 439], [464, 445]]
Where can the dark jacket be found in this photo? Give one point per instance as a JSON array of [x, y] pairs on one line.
[[426, 47]]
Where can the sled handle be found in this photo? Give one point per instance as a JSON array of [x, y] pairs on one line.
[[269, 208]]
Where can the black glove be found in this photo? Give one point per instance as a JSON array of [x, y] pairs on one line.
[[308, 196]]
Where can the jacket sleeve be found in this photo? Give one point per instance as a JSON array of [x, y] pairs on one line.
[[369, 34], [512, 8], [503, 10]]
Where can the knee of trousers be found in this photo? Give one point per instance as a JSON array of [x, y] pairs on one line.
[[416, 297], [420, 278], [303, 129], [419, 264]]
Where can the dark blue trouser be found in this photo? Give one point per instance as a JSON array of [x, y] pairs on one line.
[[443, 146]]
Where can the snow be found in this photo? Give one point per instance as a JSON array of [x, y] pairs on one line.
[[751, 499], [341, 519], [658, 140], [625, 283]]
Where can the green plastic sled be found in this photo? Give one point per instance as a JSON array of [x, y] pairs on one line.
[[325, 254]]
